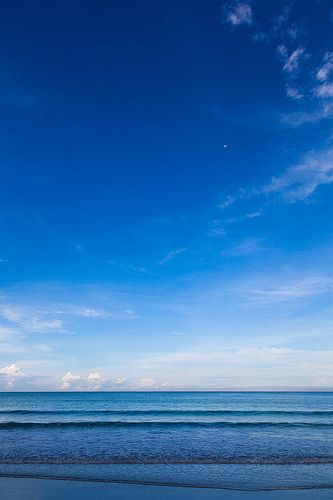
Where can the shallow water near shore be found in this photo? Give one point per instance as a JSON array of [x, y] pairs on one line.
[[32, 489], [248, 441]]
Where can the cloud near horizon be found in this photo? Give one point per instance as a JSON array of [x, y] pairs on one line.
[[247, 367]]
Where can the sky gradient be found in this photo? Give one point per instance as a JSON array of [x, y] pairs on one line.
[[166, 195]]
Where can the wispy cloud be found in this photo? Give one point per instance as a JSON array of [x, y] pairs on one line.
[[245, 247], [297, 182], [288, 39], [300, 181], [293, 92], [42, 347], [216, 229], [30, 321], [229, 200], [171, 255], [86, 312], [257, 367], [307, 287], [238, 13], [241, 218], [6, 331], [324, 91], [217, 226], [227, 355], [305, 79], [293, 61], [126, 267], [317, 113], [326, 68]]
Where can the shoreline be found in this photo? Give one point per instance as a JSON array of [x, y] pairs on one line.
[[165, 484], [30, 488], [241, 478]]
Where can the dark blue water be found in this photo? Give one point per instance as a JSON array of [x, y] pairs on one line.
[[263, 440]]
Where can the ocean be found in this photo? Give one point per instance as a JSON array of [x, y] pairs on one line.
[[236, 440]]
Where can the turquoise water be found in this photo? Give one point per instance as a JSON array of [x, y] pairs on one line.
[[248, 440]]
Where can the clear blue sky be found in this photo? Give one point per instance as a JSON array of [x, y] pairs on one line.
[[166, 194]]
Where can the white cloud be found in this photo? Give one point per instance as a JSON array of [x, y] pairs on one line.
[[94, 376], [68, 379], [300, 181], [10, 374], [171, 255], [238, 13], [150, 384], [147, 383], [325, 71], [97, 380], [120, 380], [93, 381], [11, 371]]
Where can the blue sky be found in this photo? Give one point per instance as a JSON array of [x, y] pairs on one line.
[[166, 195]]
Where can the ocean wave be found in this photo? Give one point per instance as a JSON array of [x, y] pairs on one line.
[[309, 413], [167, 460], [167, 424]]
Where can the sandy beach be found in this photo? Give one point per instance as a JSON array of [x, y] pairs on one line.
[[47, 489]]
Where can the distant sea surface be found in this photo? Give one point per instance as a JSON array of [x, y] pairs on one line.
[[241, 440]]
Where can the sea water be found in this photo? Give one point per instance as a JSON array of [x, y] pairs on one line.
[[241, 440]]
